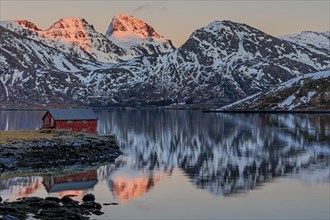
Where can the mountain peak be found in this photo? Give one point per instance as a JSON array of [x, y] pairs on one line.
[[123, 15], [126, 25], [227, 24], [25, 24], [136, 35], [69, 23]]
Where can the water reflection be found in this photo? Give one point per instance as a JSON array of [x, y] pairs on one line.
[[20, 186], [223, 153], [20, 120], [71, 183], [220, 153]]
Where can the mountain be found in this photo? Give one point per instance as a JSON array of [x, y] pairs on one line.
[[32, 73], [73, 36], [307, 92], [127, 37], [219, 64], [137, 36], [314, 41]]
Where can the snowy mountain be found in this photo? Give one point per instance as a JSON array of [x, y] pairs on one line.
[[315, 41], [137, 36], [127, 37], [71, 35], [219, 64], [307, 92], [32, 73]]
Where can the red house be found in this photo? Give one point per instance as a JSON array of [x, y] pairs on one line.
[[78, 120]]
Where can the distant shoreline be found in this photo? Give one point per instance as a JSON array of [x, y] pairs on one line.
[[269, 112], [204, 111]]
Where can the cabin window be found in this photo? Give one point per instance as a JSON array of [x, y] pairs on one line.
[[51, 122], [69, 122], [84, 121]]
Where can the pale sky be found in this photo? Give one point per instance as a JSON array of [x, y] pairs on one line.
[[175, 19]]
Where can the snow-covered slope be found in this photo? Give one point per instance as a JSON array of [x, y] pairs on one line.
[[21, 52], [307, 92], [32, 73], [315, 41], [219, 64], [70, 35], [136, 36], [127, 37]]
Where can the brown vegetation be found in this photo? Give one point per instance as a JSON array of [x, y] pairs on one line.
[[23, 135]]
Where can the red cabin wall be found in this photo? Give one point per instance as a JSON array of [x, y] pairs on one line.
[[86, 126], [48, 117]]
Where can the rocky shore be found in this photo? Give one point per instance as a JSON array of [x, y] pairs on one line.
[[51, 208], [64, 148]]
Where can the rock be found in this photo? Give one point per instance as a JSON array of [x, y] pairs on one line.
[[88, 197], [45, 131], [66, 199], [51, 198], [72, 204], [76, 145], [91, 205], [97, 212], [7, 209], [50, 204], [47, 154], [114, 203], [0, 199], [33, 199], [9, 217], [106, 203], [62, 133], [49, 208]]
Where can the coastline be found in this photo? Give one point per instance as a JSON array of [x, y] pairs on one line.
[[270, 111], [46, 149]]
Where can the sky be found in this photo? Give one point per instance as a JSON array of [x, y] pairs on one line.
[[177, 19]]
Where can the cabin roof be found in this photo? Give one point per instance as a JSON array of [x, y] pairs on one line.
[[72, 114]]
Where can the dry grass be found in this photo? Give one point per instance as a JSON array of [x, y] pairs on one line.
[[23, 135]]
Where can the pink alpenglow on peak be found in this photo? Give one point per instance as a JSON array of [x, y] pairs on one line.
[[74, 36], [27, 24], [135, 27], [132, 33]]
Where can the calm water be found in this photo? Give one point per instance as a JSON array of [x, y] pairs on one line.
[[194, 165]]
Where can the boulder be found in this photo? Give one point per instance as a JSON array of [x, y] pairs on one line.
[[88, 197]]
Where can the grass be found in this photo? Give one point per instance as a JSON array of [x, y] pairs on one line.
[[23, 135]]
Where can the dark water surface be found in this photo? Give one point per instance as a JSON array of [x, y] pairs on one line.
[[194, 165]]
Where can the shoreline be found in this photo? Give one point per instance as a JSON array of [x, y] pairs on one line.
[[269, 111], [50, 151], [46, 149], [181, 109], [51, 207]]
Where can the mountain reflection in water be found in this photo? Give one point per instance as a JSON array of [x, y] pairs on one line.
[[221, 153]]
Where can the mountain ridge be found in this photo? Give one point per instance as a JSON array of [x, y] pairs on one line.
[[219, 64], [299, 93]]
